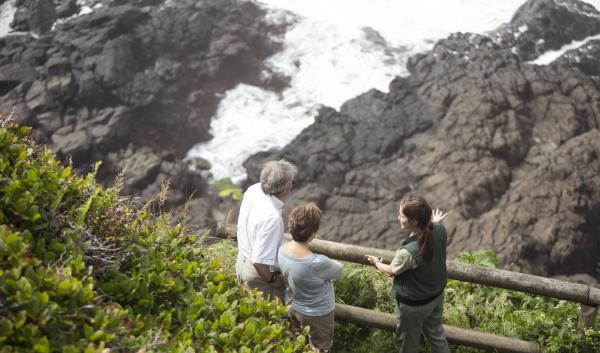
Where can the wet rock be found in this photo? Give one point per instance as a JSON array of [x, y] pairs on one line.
[[197, 213], [75, 144], [140, 167], [200, 163], [586, 58], [66, 8], [511, 149], [554, 23], [131, 84], [581, 278], [367, 106], [34, 15]]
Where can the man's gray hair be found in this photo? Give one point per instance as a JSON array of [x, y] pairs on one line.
[[276, 176]]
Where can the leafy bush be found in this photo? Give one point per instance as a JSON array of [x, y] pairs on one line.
[[228, 189], [364, 287], [550, 322], [81, 270]]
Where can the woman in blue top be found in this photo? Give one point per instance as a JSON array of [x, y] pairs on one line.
[[419, 271], [308, 278]]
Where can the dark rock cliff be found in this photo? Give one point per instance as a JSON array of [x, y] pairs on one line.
[[132, 85], [510, 148]]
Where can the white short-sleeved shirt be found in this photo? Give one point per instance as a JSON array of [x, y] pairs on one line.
[[260, 226]]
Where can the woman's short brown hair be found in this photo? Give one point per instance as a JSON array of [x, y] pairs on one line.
[[304, 221]]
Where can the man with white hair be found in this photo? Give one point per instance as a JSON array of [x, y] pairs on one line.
[[260, 229]]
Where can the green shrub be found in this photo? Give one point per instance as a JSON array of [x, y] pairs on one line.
[[81, 270], [364, 287], [550, 322], [228, 189]]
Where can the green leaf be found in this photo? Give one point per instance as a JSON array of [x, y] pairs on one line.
[[65, 173], [228, 189], [250, 328], [227, 320], [24, 287], [234, 193], [57, 246], [36, 304], [6, 327], [87, 331], [64, 287], [97, 335], [143, 306], [42, 346]]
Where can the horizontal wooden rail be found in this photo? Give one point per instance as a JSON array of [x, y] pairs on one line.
[[522, 282], [587, 295], [517, 281], [455, 335]]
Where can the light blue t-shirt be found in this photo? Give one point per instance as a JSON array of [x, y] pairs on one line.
[[308, 282]]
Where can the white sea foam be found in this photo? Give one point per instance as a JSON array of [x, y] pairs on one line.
[[595, 3], [85, 7], [7, 12], [250, 132], [331, 58], [572, 8], [551, 55]]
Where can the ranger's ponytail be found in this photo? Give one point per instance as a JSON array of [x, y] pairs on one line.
[[417, 209]]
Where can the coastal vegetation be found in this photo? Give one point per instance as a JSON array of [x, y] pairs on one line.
[[550, 322], [227, 189], [84, 269]]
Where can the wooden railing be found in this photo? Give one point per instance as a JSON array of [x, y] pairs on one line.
[[455, 335], [587, 296], [548, 287]]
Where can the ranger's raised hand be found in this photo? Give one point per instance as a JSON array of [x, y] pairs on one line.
[[438, 215]]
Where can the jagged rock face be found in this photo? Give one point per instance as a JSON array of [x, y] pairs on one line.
[[38, 16], [34, 15], [551, 24], [586, 58], [511, 149], [134, 86]]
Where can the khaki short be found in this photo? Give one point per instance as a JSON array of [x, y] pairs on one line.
[[321, 329], [246, 274]]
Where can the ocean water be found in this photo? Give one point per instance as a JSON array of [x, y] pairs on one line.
[[333, 51], [551, 55], [7, 12]]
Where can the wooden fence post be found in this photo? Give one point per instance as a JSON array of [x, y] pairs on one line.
[[587, 316]]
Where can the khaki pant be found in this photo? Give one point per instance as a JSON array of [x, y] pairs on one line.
[[247, 274], [320, 335], [426, 319]]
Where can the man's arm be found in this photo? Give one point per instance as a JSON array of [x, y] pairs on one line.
[[275, 278], [264, 250]]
